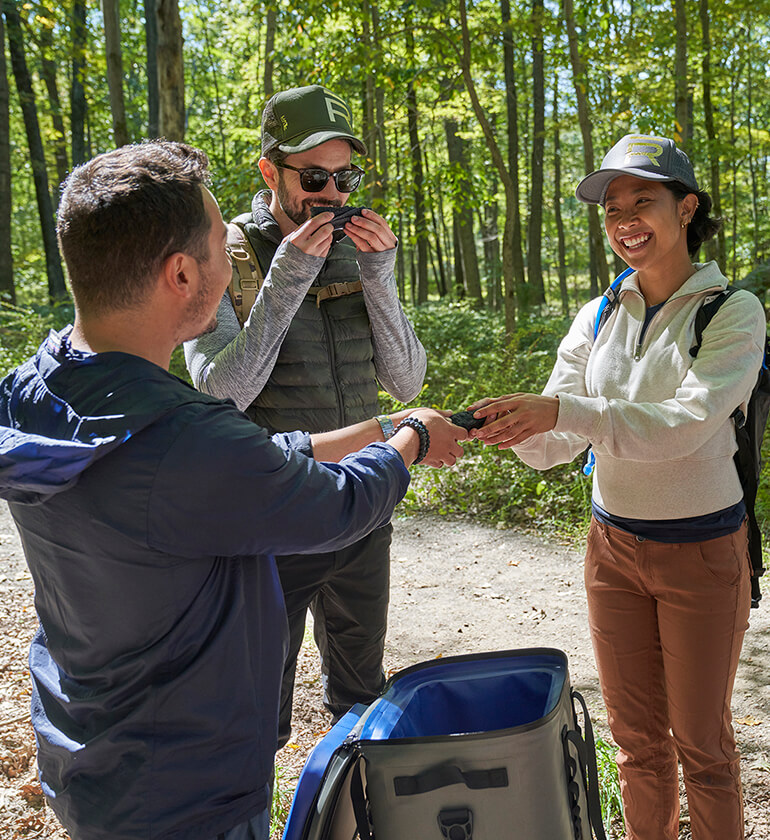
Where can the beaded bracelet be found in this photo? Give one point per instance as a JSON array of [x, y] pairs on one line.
[[386, 424], [422, 431]]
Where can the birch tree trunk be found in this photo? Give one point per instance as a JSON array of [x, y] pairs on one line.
[[420, 227]]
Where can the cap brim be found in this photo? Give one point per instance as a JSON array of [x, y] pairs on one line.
[[310, 141], [593, 188]]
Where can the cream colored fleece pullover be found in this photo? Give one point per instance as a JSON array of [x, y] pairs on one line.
[[658, 420]]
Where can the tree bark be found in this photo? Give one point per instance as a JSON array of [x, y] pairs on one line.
[[418, 179], [379, 109], [111, 12], [509, 291], [560, 239], [48, 72], [170, 70], [271, 25], [56, 288], [512, 114], [7, 286], [535, 230], [463, 210], [715, 248], [600, 273], [77, 90], [681, 105], [151, 41]]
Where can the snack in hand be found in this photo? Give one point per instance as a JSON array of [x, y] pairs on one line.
[[467, 420]]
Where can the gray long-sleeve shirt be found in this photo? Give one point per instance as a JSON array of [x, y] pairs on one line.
[[236, 363]]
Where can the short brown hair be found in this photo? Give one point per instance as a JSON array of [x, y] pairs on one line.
[[123, 213]]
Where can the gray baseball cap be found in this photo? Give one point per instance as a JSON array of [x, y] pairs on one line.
[[302, 118], [641, 155]]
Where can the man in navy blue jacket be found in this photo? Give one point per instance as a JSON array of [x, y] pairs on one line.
[[149, 513]]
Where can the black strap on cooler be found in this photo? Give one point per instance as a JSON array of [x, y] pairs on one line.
[[449, 774], [360, 806], [586, 750]]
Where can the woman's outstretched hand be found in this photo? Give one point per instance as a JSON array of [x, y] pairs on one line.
[[513, 418]]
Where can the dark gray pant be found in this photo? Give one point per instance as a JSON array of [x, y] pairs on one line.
[[348, 593], [257, 828]]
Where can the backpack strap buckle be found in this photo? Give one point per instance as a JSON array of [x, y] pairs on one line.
[[334, 290]]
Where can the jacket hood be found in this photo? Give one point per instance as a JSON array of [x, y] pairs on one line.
[[62, 410]]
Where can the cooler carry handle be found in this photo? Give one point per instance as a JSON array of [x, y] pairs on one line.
[[450, 774]]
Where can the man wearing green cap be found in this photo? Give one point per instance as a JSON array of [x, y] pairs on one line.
[[325, 332]]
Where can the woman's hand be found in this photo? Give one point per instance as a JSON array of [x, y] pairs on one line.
[[513, 418]]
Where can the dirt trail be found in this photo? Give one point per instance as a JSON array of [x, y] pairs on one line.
[[456, 587]]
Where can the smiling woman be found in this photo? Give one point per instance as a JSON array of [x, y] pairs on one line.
[[666, 571]]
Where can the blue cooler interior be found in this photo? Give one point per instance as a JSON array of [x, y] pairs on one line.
[[477, 695]]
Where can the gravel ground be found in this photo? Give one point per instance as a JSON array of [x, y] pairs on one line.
[[457, 587]]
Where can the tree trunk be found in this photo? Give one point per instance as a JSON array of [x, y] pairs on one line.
[[170, 70], [56, 288], [560, 240], [751, 156], [681, 105], [7, 287], [111, 12], [48, 72], [379, 109], [151, 40], [535, 230], [370, 135], [509, 290], [463, 203], [599, 272], [715, 248], [420, 226], [492, 254], [270, 27], [77, 90], [512, 113]]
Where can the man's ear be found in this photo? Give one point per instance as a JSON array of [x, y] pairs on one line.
[[179, 274], [269, 172]]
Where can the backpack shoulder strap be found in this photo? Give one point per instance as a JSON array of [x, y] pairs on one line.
[[608, 301], [707, 311], [247, 276]]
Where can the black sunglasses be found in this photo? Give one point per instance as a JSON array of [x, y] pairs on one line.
[[314, 180]]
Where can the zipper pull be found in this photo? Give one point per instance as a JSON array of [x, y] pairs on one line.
[[638, 352]]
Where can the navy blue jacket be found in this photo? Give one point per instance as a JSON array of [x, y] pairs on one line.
[[149, 513]]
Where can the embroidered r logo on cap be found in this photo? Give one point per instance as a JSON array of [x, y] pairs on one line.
[[644, 148], [337, 109]]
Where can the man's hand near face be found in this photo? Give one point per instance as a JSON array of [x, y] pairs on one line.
[[313, 237], [370, 232]]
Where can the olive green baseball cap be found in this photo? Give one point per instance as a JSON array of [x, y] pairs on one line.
[[302, 118]]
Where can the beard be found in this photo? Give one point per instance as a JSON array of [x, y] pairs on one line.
[[198, 309], [298, 210]]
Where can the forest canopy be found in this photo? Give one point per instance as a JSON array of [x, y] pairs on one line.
[[480, 118]]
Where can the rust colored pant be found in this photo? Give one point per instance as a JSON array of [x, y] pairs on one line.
[[667, 624]]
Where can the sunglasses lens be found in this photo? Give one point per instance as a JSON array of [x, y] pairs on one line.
[[313, 180], [347, 180]]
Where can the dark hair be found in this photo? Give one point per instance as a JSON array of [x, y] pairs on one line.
[[275, 156], [702, 226], [123, 213]]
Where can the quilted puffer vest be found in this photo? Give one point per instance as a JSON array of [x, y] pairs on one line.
[[324, 376]]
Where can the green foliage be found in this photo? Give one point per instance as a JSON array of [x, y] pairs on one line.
[[283, 791], [609, 783], [467, 360], [22, 329]]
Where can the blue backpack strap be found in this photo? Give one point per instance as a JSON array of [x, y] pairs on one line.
[[608, 301], [606, 305]]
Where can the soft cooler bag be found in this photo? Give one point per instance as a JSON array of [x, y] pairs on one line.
[[481, 747]]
